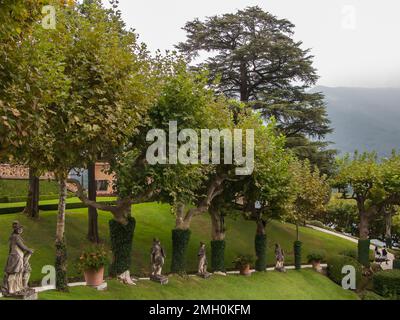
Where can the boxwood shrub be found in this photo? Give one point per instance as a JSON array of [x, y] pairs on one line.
[[335, 267], [387, 283]]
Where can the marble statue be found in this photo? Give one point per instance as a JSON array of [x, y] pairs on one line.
[[18, 270], [157, 262], [280, 258], [202, 269]]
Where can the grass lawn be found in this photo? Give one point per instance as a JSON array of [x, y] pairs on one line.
[[293, 285], [156, 220]]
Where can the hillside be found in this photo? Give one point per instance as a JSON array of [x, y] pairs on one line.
[[363, 118], [155, 220]]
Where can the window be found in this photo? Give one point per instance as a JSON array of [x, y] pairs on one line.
[[102, 185]]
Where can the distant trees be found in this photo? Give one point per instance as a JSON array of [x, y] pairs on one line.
[[255, 59]]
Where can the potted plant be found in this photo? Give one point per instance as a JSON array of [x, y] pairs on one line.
[[315, 258], [243, 263], [91, 263]]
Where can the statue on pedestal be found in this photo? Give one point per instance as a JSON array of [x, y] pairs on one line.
[[18, 270], [280, 258], [202, 269], [157, 261]]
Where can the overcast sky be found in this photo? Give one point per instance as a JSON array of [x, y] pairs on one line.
[[355, 42]]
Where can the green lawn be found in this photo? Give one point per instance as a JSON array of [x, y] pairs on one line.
[[293, 285], [19, 188], [156, 220]]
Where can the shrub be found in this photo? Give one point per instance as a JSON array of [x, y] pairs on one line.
[[242, 261], [180, 242], [297, 254], [92, 258], [396, 264], [260, 243], [370, 295], [335, 267], [317, 223], [121, 245], [387, 283], [218, 255], [317, 256], [349, 253]]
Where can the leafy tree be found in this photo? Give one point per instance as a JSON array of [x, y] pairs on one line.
[[372, 184], [255, 59]]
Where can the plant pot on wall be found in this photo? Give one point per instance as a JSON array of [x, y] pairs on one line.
[[94, 277]]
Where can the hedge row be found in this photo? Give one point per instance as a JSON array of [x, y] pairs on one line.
[[11, 199], [49, 207], [387, 283], [335, 267]]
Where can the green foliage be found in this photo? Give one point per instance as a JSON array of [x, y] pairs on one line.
[[218, 255], [19, 188], [336, 264], [93, 258], [297, 254], [260, 244], [246, 53], [121, 237], [363, 252], [349, 253], [61, 265], [396, 263], [370, 295], [387, 283], [180, 241], [317, 256], [343, 214], [242, 261]]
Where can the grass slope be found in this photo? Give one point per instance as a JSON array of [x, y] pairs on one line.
[[155, 220], [293, 285]]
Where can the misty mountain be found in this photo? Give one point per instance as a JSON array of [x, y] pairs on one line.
[[363, 118]]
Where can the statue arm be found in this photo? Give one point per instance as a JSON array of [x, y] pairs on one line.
[[22, 246]]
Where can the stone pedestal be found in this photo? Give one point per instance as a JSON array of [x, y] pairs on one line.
[[101, 287], [160, 279], [205, 275], [30, 294]]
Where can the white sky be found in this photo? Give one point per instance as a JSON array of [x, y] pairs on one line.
[[355, 42]]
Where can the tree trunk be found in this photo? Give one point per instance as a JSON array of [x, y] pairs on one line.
[[364, 225], [388, 227], [61, 251], [93, 229], [244, 97], [260, 246], [297, 231], [217, 240], [32, 203], [217, 225]]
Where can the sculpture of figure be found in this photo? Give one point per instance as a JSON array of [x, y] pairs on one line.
[[280, 258], [202, 269], [18, 270], [157, 261]]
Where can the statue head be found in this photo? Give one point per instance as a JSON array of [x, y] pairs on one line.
[[202, 244], [17, 227]]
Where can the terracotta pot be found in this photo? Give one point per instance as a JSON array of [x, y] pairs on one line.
[[94, 277], [316, 265], [245, 270]]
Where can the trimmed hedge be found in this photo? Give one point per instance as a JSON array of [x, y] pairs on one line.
[[260, 243], [387, 283], [61, 262], [218, 255], [396, 264], [297, 254], [363, 252], [180, 242], [121, 245], [50, 207], [335, 267]]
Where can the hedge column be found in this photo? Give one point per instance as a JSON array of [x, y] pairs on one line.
[[363, 251], [180, 242], [297, 254], [260, 243], [121, 245]]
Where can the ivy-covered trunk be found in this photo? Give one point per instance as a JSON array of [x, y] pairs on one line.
[[260, 244], [121, 235], [180, 242], [61, 249], [297, 254], [218, 240], [32, 203], [388, 228], [364, 242]]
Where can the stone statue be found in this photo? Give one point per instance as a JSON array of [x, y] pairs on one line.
[[280, 258], [157, 262], [18, 270], [202, 270]]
